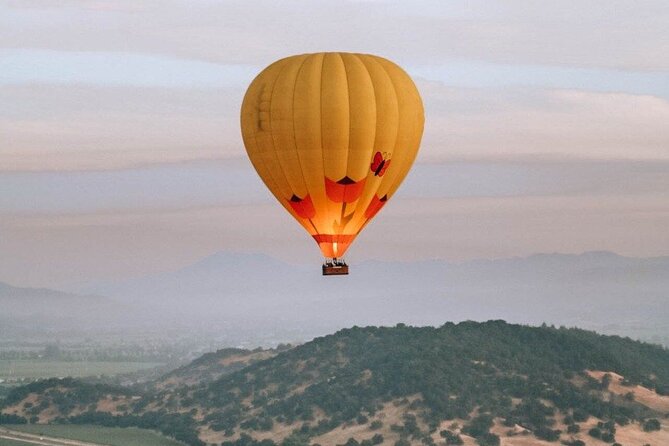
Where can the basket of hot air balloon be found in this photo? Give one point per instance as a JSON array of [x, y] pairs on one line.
[[332, 135]]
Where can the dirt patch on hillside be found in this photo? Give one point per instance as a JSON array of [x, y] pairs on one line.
[[630, 435], [642, 395], [391, 413], [246, 358]]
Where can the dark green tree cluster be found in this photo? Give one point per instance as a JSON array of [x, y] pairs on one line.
[[651, 425], [12, 419], [451, 438], [605, 431]]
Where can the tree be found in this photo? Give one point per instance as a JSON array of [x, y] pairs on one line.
[[606, 380], [377, 439], [296, 440], [376, 424], [478, 426], [595, 432], [488, 439], [12, 419], [608, 437], [651, 425], [580, 415], [451, 437], [544, 433]]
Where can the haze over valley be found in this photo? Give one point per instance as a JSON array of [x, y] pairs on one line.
[[253, 299]]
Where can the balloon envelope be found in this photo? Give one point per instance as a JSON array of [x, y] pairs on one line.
[[332, 135]]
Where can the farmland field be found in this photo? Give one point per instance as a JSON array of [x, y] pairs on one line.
[[113, 436], [5, 442], [33, 368]]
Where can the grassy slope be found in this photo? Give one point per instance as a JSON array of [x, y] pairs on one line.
[[4, 442], [104, 435], [29, 368]]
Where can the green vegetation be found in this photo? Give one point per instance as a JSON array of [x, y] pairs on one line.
[[179, 426], [65, 394], [96, 434], [37, 368], [376, 424], [528, 376], [11, 419], [456, 368], [212, 366], [5, 442], [4, 390], [375, 440], [451, 438], [604, 431], [651, 425]]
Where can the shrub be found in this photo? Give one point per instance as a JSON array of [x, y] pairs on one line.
[[488, 439], [377, 439], [479, 426], [608, 437], [376, 424], [451, 437], [544, 433], [361, 419]]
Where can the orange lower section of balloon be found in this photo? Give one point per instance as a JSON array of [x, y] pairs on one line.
[[333, 246]]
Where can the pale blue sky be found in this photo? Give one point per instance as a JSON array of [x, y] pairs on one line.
[[120, 151], [21, 66], [26, 66]]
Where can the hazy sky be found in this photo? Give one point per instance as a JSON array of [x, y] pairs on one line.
[[547, 129]]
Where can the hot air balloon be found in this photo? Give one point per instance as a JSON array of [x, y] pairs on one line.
[[332, 135]]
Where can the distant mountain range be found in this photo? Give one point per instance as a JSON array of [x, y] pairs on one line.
[[256, 294], [598, 290], [30, 310], [46, 315]]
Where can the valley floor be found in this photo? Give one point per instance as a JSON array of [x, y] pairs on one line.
[[69, 435], [11, 437]]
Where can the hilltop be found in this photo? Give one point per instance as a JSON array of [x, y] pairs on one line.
[[469, 382], [211, 366]]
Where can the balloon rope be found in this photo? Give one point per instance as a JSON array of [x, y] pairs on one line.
[[313, 226], [341, 219]]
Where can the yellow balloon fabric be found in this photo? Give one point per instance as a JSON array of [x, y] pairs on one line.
[[332, 135]]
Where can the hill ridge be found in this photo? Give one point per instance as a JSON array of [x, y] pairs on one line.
[[404, 383]]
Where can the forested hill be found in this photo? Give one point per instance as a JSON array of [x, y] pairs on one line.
[[470, 382]]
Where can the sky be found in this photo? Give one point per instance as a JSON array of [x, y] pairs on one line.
[[547, 130]]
